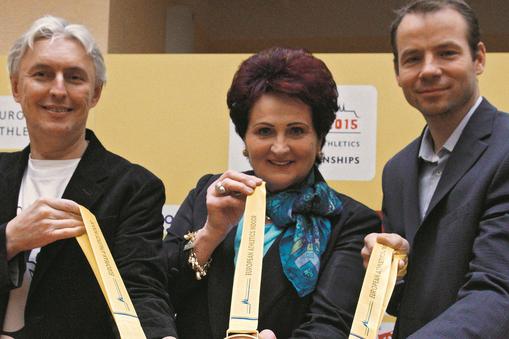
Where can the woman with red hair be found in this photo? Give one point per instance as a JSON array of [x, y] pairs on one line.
[[283, 103]]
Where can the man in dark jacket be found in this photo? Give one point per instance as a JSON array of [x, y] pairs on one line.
[[47, 288], [446, 194]]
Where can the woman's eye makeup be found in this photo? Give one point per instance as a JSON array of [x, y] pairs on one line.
[[296, 130], [264, 131]]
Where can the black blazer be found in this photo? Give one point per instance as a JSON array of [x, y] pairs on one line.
[[203, 307], [64, 299], [457, 284]]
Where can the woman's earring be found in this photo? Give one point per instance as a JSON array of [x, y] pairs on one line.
[[244, 153], [319, 157]]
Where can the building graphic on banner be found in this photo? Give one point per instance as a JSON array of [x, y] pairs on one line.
[[350, 146]]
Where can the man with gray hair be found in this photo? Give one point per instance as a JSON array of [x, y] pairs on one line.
[[47, 288]]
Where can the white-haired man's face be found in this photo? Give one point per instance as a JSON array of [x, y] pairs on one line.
[[56, 88]]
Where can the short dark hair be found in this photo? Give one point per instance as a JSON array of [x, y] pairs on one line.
[[430, 6], [292, 72]]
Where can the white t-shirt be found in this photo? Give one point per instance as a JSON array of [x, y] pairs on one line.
[[42, 179]]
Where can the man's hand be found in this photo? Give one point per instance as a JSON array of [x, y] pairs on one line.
[[392, 240], [45, 221]]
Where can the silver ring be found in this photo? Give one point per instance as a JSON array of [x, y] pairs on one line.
[[220, 189]]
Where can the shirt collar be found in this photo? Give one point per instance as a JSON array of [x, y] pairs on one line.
[[426, 151]]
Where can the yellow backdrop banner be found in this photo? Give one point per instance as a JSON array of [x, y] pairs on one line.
[[169, 113]]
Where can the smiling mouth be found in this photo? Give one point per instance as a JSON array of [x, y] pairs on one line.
[[280, 163], [432, 90], [57, 109]]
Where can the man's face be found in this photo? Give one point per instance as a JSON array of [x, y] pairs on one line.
[[437, 72], [56, 87]]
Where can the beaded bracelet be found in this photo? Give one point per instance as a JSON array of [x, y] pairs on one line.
[[199, 270]]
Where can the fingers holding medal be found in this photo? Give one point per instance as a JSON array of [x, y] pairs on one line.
[[226, 200], [235, 184]]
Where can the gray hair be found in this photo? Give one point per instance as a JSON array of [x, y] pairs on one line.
[[50, 27]]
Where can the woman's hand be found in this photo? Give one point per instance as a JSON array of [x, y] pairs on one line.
[[226, 199]]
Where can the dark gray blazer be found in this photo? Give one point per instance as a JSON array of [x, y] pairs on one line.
[[457, 284], [65, 300], [203, 307]]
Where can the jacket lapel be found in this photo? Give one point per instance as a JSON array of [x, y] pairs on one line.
[[410, 197], [469, 148], [11, 183], [84, 188], [274, 281], [11, 175]]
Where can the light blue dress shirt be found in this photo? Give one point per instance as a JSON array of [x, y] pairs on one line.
[[434, 162]]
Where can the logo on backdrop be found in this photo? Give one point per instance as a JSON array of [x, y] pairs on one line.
[[350, 146], [169, 212], [13, 130]]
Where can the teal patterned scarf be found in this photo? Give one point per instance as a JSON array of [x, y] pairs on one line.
[[304, 213]]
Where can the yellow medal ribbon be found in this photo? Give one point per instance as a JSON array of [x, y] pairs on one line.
[[248, 270], [376, 291], [99, 257]]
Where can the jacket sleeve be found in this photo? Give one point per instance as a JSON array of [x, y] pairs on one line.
[[333, 303], [11, 272], [387, 227], [138, 253], [189, 218], [397, 293]]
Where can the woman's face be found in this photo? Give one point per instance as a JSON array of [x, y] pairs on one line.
[[281, 141]]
